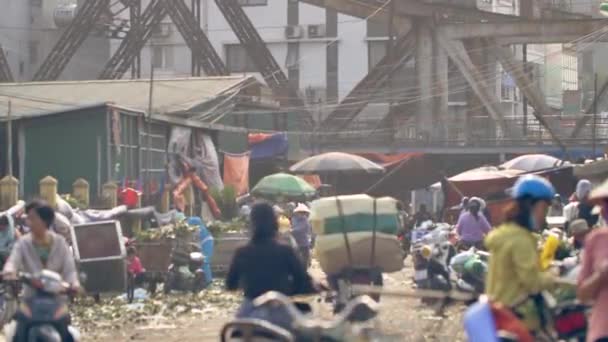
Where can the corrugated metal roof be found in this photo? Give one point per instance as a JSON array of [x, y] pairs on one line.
[[170, 95]]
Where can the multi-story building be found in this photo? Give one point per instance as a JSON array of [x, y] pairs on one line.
[[324, 53], [30, 28]]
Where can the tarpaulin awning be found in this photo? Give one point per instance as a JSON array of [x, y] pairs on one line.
[[268, 145], [533, 163], [313, 180], [487, 182], [485, 173], [388, 160], [236, 172]]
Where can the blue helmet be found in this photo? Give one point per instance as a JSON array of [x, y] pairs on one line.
[[534, 187]]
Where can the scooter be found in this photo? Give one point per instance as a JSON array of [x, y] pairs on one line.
[[186, 274], [342, 284], [468, 269], [44, 316], [294, 325], [431, 254]]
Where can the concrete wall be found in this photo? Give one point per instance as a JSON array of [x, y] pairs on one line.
[[14, 35]]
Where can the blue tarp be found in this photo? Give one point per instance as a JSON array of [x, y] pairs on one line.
[[206, 246], [275, 146]]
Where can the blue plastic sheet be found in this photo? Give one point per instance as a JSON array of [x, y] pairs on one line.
[[275, 145]]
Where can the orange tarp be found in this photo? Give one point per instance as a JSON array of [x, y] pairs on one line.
[[313, 180], [236, 172]]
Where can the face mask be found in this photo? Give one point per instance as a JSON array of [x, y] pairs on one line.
[[532, 223]]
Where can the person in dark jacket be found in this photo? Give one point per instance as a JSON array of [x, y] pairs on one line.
[[265, 264]]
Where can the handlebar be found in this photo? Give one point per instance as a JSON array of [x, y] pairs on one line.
[[37, 282], [362, 306]]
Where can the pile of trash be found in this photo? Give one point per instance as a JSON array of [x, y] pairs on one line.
[[116, 312], [218, 228], [167, 232]]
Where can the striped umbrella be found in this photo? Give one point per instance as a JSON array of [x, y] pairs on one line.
[[336, 162]]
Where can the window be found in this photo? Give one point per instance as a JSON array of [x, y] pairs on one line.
[[162, 56], [507, 88], [292, 60], [376, 51], [237, 59], [253, 2], [33, 52], [569, 70]]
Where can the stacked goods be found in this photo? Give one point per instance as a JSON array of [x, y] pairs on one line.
[[352, 219]]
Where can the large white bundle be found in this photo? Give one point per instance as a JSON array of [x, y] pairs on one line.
[[331, 252], [358, 213]]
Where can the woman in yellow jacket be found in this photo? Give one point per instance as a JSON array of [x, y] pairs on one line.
[[515, 277]]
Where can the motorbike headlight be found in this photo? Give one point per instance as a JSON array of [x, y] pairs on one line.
[[426, 251]]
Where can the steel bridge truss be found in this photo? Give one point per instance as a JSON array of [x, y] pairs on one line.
[[442, 32]]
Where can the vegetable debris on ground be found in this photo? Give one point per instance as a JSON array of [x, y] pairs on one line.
[[115, 312]]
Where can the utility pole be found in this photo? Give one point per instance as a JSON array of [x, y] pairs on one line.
[[390, 51], [594, 128], [149, 132], [9, 140], [525, 100]]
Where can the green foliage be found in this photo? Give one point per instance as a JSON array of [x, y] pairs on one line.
[[226, 201], [178, 230], [217, 228]]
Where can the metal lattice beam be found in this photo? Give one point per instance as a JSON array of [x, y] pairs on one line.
[[528, 29], [71, 39], [456, 51], [255, 46], [542, 112], [363, 93], [5, 69], [377, 10], [195, 38], [580, 123], [262, 58], [130, 47]]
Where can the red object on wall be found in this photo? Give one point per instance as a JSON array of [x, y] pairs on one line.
[[130, 197]]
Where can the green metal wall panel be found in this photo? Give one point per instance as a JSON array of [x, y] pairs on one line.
[[66, 146]]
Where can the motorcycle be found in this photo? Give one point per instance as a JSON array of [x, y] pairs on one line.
[[290, 324], [431, 252], [342, 284], [185, 273], [45, 315], [469, 269]]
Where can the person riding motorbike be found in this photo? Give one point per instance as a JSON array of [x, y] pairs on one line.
[[582, 208], [265, 264], [515, 278], [422, 215], [472, 226], [41, 248], [557, 207], [593, 277], [8, 236]]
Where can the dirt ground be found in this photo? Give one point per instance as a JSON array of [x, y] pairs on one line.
[[409, 318]]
